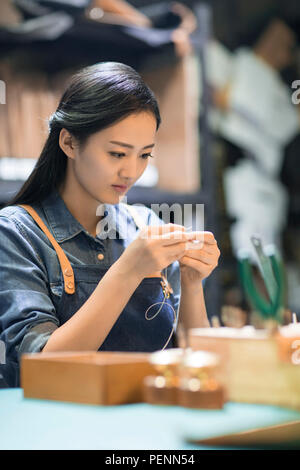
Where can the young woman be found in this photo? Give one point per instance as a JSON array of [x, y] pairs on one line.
[[66, 281]]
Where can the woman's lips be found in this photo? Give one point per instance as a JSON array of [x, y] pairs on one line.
[[120, 189]]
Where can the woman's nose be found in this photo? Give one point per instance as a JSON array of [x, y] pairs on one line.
[[129, 169]]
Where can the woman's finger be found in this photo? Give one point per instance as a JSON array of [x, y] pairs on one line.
[[175, 237], [202, 239], [195, 264], [209, 238], [159, 231], [209, 260], [176, 250], [165, 228], [212, 253]]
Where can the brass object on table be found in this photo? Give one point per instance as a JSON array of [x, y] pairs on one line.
[[199, 387], [161, 389], [185, 378]]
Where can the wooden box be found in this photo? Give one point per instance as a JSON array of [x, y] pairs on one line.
[[256, 366], [103, 378]]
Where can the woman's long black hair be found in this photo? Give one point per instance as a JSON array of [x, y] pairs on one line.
[[96, 97]]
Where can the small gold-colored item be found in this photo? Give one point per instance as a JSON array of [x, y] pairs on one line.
[[184, 377], [162, 388], [166, 287], [198, 386]]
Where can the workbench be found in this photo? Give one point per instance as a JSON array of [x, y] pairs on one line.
[[30, 424]]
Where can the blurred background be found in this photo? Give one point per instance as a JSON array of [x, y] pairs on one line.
[[227, 77]]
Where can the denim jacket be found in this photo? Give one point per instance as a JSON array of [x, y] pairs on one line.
[[32, 300]]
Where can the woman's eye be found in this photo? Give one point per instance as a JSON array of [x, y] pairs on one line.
[[147, 155], [117, 154], [122, 154]]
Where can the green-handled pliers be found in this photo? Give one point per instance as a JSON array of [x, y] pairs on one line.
[[271, 268]]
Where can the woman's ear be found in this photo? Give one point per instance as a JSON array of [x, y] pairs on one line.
[[66, 143]]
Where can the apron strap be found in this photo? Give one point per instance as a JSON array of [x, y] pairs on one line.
[[67, 270]]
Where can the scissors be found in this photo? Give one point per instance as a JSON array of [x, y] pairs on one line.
[[271, 268]]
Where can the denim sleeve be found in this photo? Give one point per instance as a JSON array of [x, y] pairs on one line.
[[27, 314]]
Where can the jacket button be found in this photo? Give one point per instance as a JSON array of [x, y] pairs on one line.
[[100, 256], [68, 272]]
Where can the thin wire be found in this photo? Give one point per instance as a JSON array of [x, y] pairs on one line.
[[163, 302], [140, 224]]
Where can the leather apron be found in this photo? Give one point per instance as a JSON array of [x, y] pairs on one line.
[[147, 322]]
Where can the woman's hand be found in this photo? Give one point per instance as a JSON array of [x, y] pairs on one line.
[[197, 264], [155, 248]]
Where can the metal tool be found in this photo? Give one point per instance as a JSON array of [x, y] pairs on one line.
[[271, 268]]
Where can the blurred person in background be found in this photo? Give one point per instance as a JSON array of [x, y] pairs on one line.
[[254, 113], [175, 16]]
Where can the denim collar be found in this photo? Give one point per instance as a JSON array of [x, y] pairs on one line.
[[64, 225]]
